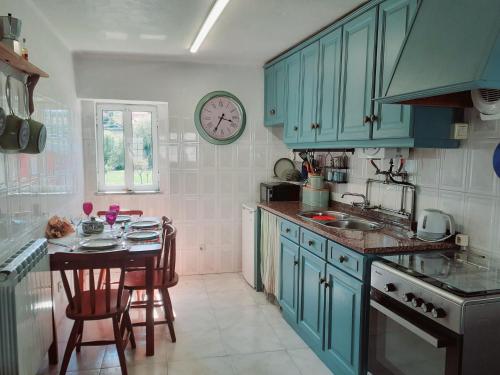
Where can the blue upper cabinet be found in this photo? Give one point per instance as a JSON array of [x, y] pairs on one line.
[[274, 94], [358, 56], [309, 58], [289, 271], [292, 98], [394, 20], [311, 298], [329, 86], [342, 339]]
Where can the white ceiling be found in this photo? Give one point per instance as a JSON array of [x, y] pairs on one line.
[[248, 31]]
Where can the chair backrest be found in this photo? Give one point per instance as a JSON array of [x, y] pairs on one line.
[[168, 252], [123, 212], [77, 263]]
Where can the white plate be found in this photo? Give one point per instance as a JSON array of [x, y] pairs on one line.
[[98, 244], [142, 235], [143, 224], [123, 218]]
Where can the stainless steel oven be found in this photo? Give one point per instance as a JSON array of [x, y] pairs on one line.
[[403, 343]]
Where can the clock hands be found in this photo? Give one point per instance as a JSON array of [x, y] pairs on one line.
[[220, 119]]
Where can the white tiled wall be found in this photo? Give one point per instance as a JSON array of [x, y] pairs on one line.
[[202, 185], [33, 187], [458, 181]]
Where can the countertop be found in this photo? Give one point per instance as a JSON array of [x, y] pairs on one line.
[[388, 240]]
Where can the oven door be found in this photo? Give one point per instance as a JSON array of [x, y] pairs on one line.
[[402, 342]]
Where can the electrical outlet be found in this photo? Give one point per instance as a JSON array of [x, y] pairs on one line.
[[202, 247], [59, 286], [462, 240], [460, 130]]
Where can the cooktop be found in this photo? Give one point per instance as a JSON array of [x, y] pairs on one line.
[[445, 271]]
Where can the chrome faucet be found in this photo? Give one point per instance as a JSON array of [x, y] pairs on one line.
[[363, 204]]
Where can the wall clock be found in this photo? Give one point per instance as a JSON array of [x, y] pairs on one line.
[[220, 117]]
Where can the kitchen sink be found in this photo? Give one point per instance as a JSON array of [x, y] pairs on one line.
[[354, 224], [323, 216]]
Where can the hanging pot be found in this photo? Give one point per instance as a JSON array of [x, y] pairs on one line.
[[16, 134], [10, 27], [37, 137], [2, 121]]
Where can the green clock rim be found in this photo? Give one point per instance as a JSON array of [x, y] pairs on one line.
[[197, 118]]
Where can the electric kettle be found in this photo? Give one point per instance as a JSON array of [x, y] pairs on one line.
[[434, 225]]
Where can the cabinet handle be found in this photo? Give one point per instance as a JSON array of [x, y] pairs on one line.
[[373, 118], [317, 126], [366, 120], [287, 230], [310, 242], [343, 259], [272, 112], [295, 128], [322, 280], [295, 262], [327, 285], [313, 126]]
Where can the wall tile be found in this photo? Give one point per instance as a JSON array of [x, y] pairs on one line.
[[479, 221], [482, 178], [453, 168]]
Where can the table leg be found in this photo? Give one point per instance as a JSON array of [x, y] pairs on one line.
[[150, 327], [53, 355]]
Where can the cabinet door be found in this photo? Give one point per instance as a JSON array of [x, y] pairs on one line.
[[289, 271], [358, 54], [311, 298], [280, 81], [329, 86], [342, 321], [292, 121], [269, 95], [309, 58], [394, 20]]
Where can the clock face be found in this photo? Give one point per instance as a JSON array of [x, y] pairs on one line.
[[220, 117]]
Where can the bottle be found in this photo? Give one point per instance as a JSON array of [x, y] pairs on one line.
[[24, 50]]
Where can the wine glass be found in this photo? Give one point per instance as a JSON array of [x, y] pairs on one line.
[[87, 208], [114, 207], [111, 218]]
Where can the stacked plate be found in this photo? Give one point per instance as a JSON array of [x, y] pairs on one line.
[[98, 244], [145, 224], [142, 235]]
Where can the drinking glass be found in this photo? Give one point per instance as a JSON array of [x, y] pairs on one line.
[[114, 207], [87, 208], [111, 218]]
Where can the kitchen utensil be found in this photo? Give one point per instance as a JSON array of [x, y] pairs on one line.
[[114, 207], [123, 218], [16, 134], [10, 27], [433, 226], [282, 167], [143, 224], [98, 244], [111, 218], [142, 235], [315, 182], [2, 121], [92, 226], [37, 137], [87, 208]]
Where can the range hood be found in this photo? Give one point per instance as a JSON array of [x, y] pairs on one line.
[[453, 47]]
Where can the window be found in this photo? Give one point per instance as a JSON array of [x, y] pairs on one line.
[[127, 148]]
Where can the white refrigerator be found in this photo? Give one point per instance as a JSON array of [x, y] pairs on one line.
[[248, 244]]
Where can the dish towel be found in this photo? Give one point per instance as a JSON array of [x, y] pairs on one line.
[[269, 247]]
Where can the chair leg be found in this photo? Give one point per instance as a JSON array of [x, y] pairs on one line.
[[128, 323], [168, 301], [80, 338], [119, 346], [168, 317], [70, 346]]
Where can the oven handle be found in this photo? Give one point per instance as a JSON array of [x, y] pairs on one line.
[[437, 342]]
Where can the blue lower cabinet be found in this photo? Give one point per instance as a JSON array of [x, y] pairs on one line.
[[289, 279], [311, 299], [342, 339]]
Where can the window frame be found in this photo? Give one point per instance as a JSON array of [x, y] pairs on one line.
[[127, 110]]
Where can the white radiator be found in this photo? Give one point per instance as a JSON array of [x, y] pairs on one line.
[[25, 310]]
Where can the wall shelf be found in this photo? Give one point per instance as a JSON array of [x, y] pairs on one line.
[[11, 58]]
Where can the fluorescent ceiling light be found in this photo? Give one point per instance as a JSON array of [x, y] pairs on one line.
[[212, 17], [153, 36], [115, 35]]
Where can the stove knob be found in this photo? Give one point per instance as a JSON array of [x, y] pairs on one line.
[[408, 297], [417, 302], [427, 307], [438, 313], [389, 287]]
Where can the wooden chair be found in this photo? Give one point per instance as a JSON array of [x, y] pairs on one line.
[[96, 304], [164, 277], [124, 212]]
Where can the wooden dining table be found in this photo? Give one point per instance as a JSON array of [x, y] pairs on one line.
[[143, 254]]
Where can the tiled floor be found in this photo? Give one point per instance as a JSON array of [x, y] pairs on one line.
[[223, 327]]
